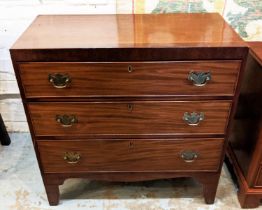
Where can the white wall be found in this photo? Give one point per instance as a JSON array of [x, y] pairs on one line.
[[15, 16]]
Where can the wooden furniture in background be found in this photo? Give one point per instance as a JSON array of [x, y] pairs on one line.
[[4, 137], [151, 105], [245, 141]]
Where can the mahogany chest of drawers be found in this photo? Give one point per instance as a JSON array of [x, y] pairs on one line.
[[129, 97]]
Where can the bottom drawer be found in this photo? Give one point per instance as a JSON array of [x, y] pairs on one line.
[[130, 155]]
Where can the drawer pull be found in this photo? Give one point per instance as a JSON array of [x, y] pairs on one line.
[[59, 80], [189, 156], [199, 78], [193, 118], [72, 157], [66, 120], [129, 68]]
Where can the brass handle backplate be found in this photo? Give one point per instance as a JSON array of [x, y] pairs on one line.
[[193, 118], [199, 78], [66, 120], [72, 157], [189, 156], [59, 80]]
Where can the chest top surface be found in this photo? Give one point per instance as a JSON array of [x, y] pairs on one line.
[[128, 31], [256, 51]]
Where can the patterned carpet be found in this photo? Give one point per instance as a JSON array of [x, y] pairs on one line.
[[21, 188]]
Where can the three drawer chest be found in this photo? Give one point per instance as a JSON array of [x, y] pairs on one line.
[[129, 97]]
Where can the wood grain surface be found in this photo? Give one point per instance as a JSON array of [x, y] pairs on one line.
[[118, 155], [145, 118], [258, 179], [256, 51], [128, 30], [246, 133], [245, 138], [130, 125], [113, 79]]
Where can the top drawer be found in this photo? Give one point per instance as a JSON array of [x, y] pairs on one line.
[[65, 79]]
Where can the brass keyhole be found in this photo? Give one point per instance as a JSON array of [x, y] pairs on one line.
[[131, 144], [130, 107], [129, 68]]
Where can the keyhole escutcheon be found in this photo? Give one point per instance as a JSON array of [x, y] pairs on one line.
[[129, 68], [130, 107], [131, 144]]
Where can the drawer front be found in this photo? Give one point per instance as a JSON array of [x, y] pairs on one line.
[[128, 79], [137, 118], [130, 155]]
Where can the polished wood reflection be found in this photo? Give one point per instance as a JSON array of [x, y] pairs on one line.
[[117, 31], [129, 124], [256, 51]]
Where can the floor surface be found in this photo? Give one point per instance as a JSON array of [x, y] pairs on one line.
[[21, 188]]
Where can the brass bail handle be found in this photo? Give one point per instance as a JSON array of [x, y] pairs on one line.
[[193, 118], [66, 120], [199, 78], [189, 156], [72, 157], [59, 80]]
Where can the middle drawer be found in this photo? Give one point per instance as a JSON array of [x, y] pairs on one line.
[[136, 118]]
